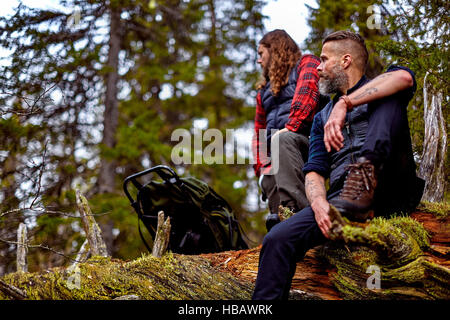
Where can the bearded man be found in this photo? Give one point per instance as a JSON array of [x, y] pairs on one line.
[[361, 142]]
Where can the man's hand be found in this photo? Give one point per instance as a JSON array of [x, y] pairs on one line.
[[333, 137], [321, 207], [279, 131]]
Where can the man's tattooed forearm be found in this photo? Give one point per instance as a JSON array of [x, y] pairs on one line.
[[314, 189], [367, 92], [384, 75]]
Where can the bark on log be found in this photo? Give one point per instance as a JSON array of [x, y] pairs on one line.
[[11, 292], [417, 269]]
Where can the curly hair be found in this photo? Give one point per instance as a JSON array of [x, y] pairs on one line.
[[284, 55]]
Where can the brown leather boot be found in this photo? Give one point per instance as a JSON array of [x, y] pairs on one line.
[[355, 200]]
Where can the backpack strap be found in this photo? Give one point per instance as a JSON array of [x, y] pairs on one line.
[[142, 236]]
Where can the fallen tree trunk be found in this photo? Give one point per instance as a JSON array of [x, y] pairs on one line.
[[411, 254], [412, 266], [171, 277]]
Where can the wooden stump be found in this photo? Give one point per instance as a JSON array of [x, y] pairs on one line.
[[83, 254], [93, 232], [162, 236], [22, 248]]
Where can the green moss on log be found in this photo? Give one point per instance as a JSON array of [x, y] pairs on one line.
[[396, 247], [170, 277], [440, 209]]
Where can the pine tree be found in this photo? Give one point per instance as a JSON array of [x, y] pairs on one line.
[[420, 35], [353, 15]]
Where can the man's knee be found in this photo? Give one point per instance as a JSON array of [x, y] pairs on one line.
[[275, 237], [287, 137], [289, 140]]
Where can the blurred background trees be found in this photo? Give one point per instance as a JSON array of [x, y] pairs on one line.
[[92, 92]]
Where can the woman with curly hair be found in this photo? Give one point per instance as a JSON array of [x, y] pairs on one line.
[[287, 100]]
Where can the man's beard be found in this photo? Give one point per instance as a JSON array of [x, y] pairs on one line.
[[333, 82], [265, 71]]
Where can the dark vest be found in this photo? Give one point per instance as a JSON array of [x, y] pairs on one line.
[[277, 108], [355, 129]]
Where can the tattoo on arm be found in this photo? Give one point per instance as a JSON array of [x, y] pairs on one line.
[[384, 75], [367, 92], [370, 91], [314, 188]]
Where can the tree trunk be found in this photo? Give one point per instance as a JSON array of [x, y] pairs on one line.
[[106, 181], [432, 166], [411, 265]]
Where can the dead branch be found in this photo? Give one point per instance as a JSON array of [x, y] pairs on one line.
[[162, 236], [22, 248], [12, 291], [93, 232]]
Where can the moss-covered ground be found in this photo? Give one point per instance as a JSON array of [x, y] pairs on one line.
[[170, 277], [386, 258]]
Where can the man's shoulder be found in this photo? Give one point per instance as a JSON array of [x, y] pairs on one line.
[[307, 61], [309, 56]]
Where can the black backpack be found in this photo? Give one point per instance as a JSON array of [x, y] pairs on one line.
[[201, 220]]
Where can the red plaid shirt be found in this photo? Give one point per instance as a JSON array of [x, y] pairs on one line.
[[303, 108]]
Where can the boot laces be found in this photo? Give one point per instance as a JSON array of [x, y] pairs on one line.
[[358, 179]]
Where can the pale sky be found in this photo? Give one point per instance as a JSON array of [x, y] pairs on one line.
[[289, 15]]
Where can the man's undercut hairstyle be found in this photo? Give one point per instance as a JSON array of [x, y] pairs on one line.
[[284, 55], [350, 42]]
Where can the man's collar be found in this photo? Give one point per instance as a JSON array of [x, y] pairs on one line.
[[359, 84]]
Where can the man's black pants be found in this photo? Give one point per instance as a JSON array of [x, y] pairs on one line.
[[285, 244]]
